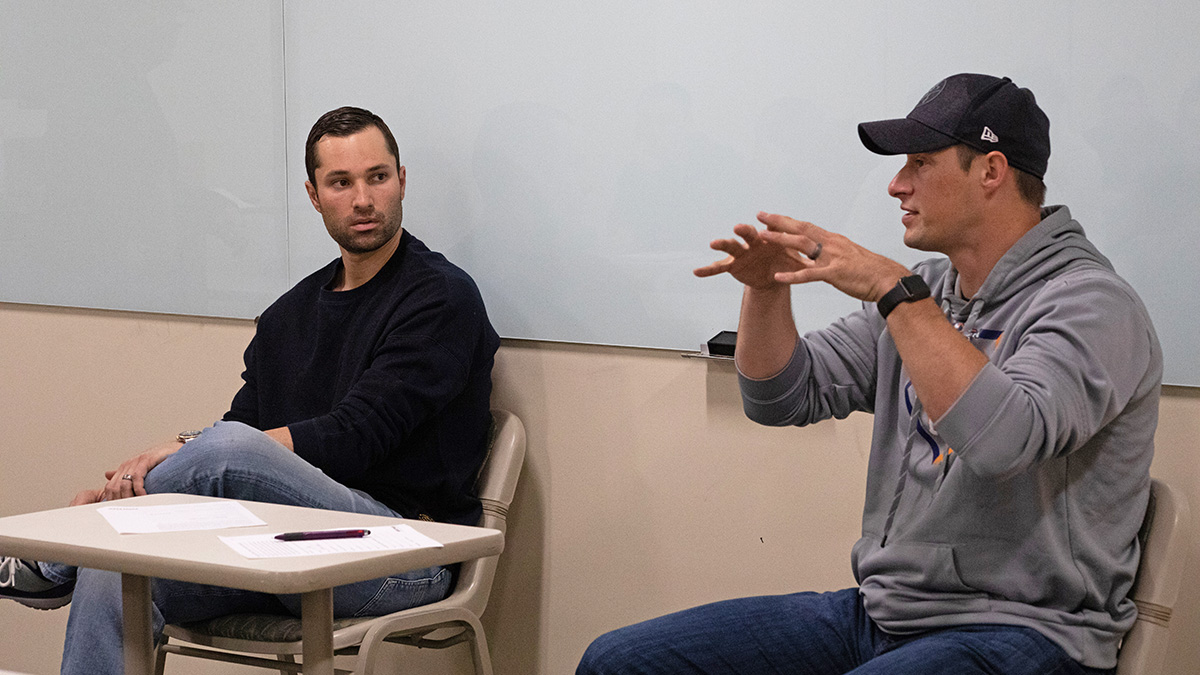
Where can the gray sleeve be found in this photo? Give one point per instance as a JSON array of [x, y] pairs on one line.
[[1085, 348], [831, 374]]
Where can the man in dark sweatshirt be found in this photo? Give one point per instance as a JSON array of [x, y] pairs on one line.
[[366, 389], [1014, 384]]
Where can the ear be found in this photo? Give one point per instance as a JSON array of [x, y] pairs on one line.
[[995, 170], [402, 174], [312, 195]]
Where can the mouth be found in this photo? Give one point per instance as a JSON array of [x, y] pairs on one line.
[[909, 215], [362, 225]]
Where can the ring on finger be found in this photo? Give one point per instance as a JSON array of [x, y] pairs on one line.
[[816, 251], [127, 476]]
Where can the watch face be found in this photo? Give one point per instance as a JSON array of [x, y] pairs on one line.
[[915, 286], [186, 436]]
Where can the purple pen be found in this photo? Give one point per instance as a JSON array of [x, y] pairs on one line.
[[322, 534]]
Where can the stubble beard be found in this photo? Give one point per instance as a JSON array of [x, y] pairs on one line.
[[389, 225]]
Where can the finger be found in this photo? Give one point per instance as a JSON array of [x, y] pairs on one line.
[[138, 484], [804, 276], [87, 497], [118, 486], [747, 232], [115, 488], [732, 247], [110, 491], [744, 231], [719, 267], [779, 223], [795, 242], [126, 488]]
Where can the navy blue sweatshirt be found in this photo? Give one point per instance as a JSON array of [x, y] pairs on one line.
[[384, 387]]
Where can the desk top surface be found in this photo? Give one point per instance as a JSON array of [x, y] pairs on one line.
[[80, 536]]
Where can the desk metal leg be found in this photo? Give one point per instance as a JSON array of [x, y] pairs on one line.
[[316, 618], [139, 634]]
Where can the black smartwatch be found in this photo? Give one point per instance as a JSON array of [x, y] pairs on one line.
[[908, 289]]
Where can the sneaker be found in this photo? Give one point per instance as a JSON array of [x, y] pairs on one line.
[[22, 580]]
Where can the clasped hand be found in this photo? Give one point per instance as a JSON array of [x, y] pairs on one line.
[[791, 251], [136, 467]]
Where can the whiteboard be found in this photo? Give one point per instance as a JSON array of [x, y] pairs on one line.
[[141, 155], [576, 158]]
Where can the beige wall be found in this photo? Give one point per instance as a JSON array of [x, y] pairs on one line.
[[645, 490]]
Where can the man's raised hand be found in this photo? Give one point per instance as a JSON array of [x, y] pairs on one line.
[[752, 260], [831, 258]]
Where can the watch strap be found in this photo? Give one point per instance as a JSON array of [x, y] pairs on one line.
[[909, 289]]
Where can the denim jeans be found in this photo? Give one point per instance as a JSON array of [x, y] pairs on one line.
[[235, 461], [816, 634]]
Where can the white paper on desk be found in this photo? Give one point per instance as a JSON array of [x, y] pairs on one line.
[[385, 538], [178, 517]]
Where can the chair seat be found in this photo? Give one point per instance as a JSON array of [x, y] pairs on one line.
[[260, 627]]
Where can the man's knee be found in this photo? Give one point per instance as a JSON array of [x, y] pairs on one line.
[[232, 439], [202, 464], [608, 654]]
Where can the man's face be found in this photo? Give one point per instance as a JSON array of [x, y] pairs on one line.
[[939, 201], [358, 190]]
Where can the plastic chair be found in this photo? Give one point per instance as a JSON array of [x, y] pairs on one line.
[[1164, 539], [450, 621]]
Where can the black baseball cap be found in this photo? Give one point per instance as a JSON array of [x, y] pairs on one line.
[[987, 113]]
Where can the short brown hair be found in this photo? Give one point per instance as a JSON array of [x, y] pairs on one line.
[[345, 121], [1031, 188]]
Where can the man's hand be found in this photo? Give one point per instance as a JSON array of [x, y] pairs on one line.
[[755, 263], [836, 260], [119, 487], [87, 497]]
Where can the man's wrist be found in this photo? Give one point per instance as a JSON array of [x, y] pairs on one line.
[[910, 288], [187, 436], [772, 291]]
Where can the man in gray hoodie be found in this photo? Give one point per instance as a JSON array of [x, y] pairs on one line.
[[1014, 384]]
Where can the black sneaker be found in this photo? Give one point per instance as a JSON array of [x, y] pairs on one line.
[[22, 580]]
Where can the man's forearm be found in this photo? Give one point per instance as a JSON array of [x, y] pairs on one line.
[[766, 331], [941, 363]]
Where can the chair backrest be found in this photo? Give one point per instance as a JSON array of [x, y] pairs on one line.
[[496, 485], [1164, 542]]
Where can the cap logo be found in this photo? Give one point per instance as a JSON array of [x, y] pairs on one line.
[[932, 93], [989, 136]]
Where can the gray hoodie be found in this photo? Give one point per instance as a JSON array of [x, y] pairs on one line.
[[1021, 505]]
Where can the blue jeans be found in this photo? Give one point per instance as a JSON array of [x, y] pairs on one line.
[[236, 461], [816, 634]]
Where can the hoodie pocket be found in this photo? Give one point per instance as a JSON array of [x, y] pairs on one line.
[[911, 572]]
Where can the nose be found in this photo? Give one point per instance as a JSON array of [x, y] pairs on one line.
[[362, 196], [900, 185]]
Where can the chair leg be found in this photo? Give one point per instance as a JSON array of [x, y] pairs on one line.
[[479, 652], [160, 659], [286, 658]]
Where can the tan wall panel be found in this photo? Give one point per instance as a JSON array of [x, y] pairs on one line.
[[646, 490]]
